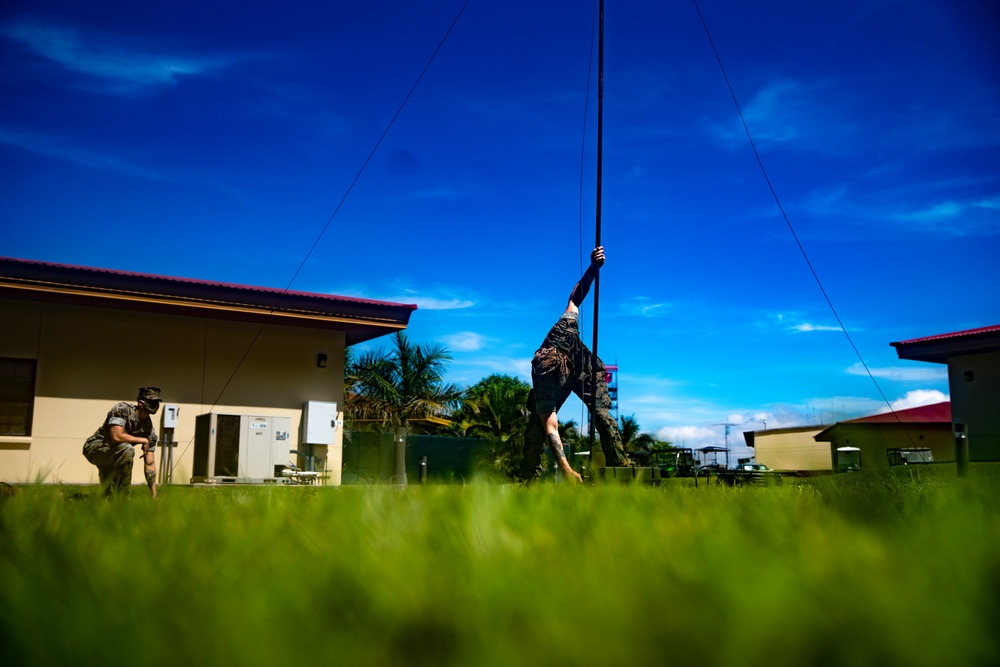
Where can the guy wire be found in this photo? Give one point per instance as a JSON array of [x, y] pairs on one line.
[[336, 210], [784, 215]]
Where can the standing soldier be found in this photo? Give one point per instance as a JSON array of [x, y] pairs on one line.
[[560, 366], [111, 448]]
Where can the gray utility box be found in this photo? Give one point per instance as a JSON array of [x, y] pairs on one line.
[[245, 449], [319, 422]]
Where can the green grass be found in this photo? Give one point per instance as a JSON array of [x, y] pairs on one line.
[[871, 569]]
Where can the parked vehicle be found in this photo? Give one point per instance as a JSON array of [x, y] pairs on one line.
[[673, 462], [756, 474]]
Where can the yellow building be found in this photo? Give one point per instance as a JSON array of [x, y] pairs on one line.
[[77, 340], [916, 435], [790, 449]]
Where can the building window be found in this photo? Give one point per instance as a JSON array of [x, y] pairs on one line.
[[17, 395], [909, 456]]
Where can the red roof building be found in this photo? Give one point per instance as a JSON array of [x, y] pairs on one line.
[[876, 441], [925, 414], [938, 348], [973, 359], [359, 319], [77, 340]]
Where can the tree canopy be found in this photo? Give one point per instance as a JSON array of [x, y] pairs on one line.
[[386, 388]]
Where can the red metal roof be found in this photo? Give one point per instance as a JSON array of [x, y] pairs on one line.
[[359, 319], [956, 334], [935, 412], [941, 347], [193, 281]]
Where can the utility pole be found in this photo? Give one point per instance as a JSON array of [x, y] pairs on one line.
[[599, 460], [728, 426]]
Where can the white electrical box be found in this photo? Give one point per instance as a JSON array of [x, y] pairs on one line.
[[319, 422], [170, 413], [243, 449]]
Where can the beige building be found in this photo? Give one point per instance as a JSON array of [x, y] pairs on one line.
[[973, 359], [790, 449], [916, 435], [76, 340]]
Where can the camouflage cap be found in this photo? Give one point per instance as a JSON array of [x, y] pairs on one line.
[[149, 399]]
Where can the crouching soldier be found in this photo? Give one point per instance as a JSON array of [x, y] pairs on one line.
[[111, 448]]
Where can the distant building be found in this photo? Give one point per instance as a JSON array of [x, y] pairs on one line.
[[791, 449], [973, 359], [917, 435], [76, 340]]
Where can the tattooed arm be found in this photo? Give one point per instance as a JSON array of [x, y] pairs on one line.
[[552, 433], [582, 288]]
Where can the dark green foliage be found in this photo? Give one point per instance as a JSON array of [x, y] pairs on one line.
[[495, 409]]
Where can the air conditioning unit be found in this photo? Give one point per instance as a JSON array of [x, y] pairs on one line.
[[243, 449]]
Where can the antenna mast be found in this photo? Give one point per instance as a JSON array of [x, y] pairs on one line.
[[597, 242]]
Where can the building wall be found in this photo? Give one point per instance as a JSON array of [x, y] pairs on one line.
[[874, 441], [90, 358], [792, 450], [976, 402]]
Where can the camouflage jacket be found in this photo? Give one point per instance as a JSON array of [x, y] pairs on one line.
[[126, 415]]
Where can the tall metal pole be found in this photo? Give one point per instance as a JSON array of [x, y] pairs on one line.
[[597, 242]]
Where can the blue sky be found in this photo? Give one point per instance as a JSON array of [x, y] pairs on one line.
[[217, 140]]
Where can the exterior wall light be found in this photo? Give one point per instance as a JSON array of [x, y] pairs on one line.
[[321, 360]]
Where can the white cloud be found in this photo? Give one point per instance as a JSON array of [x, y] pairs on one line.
[[942, 212], [786, 112], [917, 398], [689, 436], [97, 58], [795, 322], [902, 374], [464, 341], [645, 307], [433, 303], [443, 192], [444, 302], [989, 204], [953, 217], [57, 148], [806, 326]]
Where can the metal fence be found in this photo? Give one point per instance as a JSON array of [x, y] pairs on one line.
[[370, 458]]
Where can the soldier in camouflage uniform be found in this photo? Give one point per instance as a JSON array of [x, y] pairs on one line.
[[563, 364], [111, 448]]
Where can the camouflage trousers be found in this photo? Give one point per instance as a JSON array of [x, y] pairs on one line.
[[114, 464], [600, 412]]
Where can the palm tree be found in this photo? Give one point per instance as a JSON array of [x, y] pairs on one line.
[[569, 434], [389, 388], [496, 407], [629, 428], [632, 438]]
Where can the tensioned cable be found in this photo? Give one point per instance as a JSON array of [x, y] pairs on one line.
[[379, 142], [784, 215], [336, 210]]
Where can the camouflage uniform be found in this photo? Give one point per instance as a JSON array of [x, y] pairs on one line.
[[560, 366], [114, 459]]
